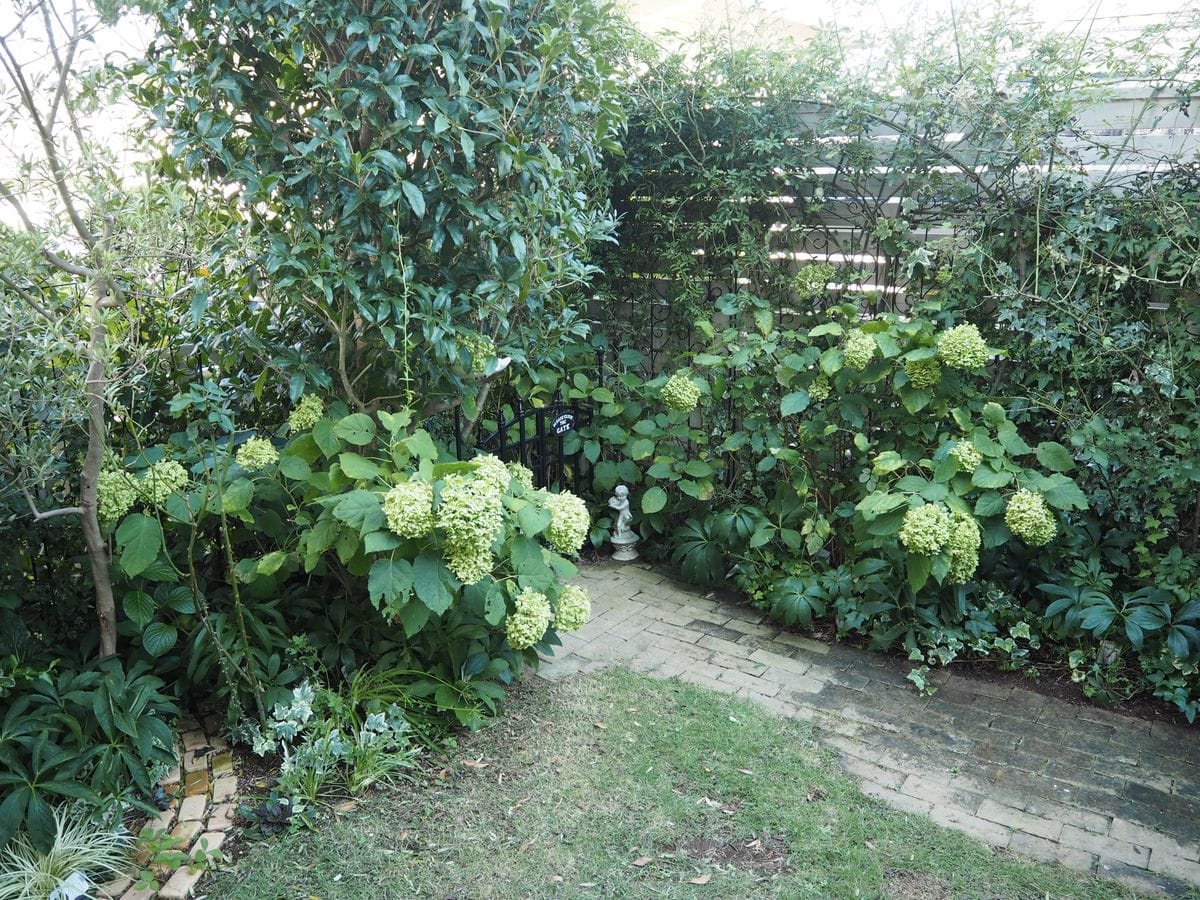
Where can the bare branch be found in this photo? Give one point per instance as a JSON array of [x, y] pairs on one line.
[[44, 311], [49, 514]]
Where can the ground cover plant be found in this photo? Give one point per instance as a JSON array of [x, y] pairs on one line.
[[714, 798]]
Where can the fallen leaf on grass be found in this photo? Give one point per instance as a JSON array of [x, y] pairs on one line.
[[642, 861], [705, 801], [475, 764], [745, 771], [601, 726], [754, 844], [702, 879], [557, 879], [815, 794]]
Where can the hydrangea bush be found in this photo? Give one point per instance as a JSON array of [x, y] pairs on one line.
[[844, 468]]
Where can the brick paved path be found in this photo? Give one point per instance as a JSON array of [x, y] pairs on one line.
[[1091, 789]]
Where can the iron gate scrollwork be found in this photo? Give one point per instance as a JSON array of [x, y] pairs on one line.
[[536, 437]]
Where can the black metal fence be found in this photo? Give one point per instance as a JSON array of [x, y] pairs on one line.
[[539, 438]]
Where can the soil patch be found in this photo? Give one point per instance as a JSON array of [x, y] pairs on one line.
[[765, 855], [900, 884]]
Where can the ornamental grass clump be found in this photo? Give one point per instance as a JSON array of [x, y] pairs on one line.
[[306, 414], [965, 541], [860, 348], [962, 347], [527, 623], [408, 508], [923, 373], [1028, 517], [257, 454], [574, 609], [926, 529], [680, 393], [966, 456], [569, 521]]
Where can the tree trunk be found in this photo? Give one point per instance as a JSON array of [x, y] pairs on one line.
[[97, 550]]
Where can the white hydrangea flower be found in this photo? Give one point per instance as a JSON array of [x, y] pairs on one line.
[[409, 508], [963, 347], [858, 351], [306, 414], [527, 624], [574, 608], [680, 393], [569, 521], [257, 454], [1028, 517], [926, 529]]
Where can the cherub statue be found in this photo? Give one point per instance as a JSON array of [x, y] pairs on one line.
[[619, 501]]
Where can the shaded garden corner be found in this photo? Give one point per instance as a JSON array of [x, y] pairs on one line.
[[1094, 790]]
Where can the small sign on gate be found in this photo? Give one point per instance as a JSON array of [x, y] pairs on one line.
[[563, 423]]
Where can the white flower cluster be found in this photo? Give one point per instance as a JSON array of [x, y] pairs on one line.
[[964, 543], [680, 393], [963, 347], [967, 457], [522, 475], [813, 281], [820, 389], [860, 348], [926, 529], [569, 521], [257, 454], [574, 608], [470, 515], [116, 493], [923, 373], [527, 623], [306, 414], [408, 508], [1028, 517]]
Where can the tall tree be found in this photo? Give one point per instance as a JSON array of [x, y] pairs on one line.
[[412, 173]]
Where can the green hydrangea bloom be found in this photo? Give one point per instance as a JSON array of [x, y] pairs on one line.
[[116, 493], [962, 347], [680, 393], [492, 471], [306, 414], [574, 608], [860, 348], [160, 481], [409, 508], [926, 529], [812, 281], [470, 514], [923, 373], [569, 521], [527, 624], [257, 454], [482, 350], [966, 456], [819, 389], [1028, 517], [523, 475], [965, 541]]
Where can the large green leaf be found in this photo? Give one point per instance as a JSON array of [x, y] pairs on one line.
[[159, 637], [139, 607], [1054, 456], [361, 509], [653, 500], [390, 582], [356, 428], [358, 468], [429, 584], [139, 539]]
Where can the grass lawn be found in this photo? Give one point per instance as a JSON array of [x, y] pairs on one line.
[[618, 785]]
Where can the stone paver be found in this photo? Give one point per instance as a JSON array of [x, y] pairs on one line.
[[201, 794], [1081, 786]]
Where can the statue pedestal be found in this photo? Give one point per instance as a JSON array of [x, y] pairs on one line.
[[624, 548]]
